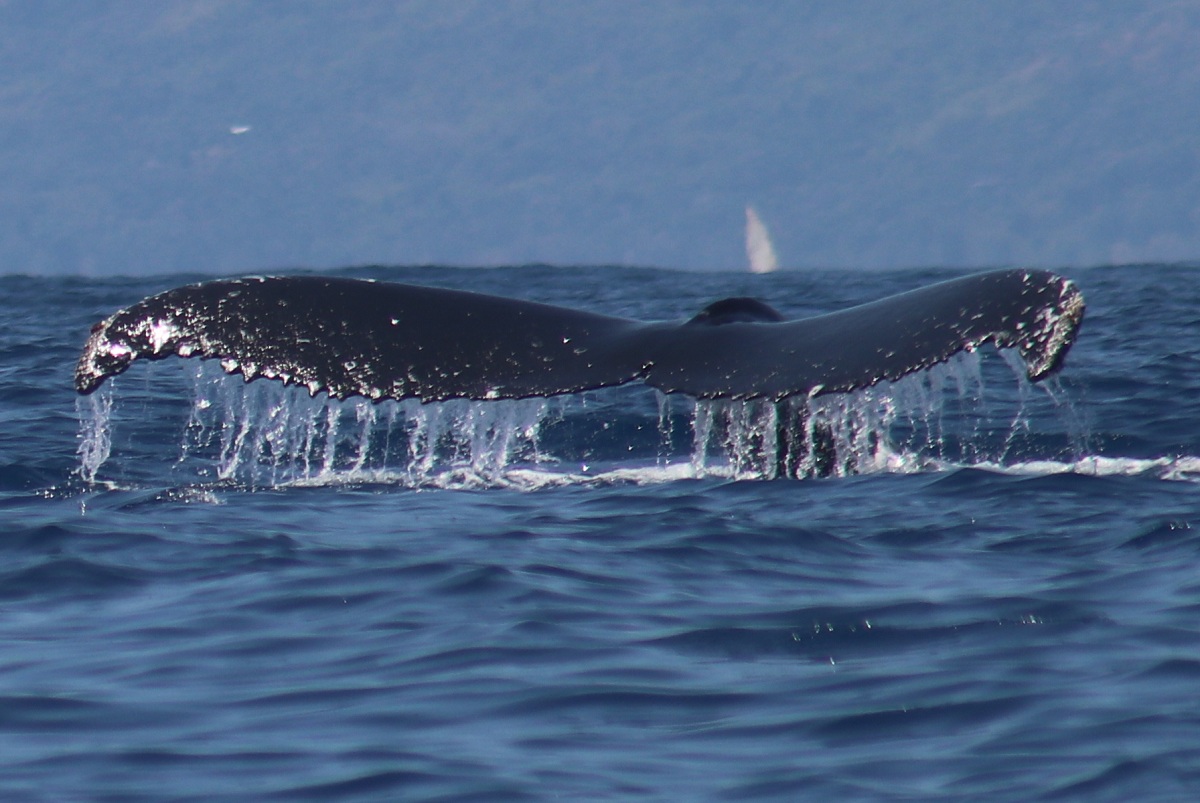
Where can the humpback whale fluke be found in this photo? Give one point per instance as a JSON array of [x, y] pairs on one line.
[[350, 337]]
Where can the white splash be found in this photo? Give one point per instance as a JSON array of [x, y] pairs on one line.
[[759, 250], [1178, 468]]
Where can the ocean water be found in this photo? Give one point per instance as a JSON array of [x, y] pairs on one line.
[[218, 591]]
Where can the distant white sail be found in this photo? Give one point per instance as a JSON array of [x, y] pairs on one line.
[[759, 250]]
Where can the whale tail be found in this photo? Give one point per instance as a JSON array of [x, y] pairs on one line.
[[348, 337]]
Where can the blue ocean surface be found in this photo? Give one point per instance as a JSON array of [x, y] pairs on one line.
[[213, 590]]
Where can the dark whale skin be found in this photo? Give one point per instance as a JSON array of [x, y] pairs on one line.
[[351, 337]]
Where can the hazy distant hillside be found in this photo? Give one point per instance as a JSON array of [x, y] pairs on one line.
[[866, 133]]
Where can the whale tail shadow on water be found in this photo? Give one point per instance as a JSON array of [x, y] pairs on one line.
[[349, 337]]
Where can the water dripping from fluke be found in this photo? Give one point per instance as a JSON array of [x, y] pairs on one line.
[[266, 435], [95, 438]]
